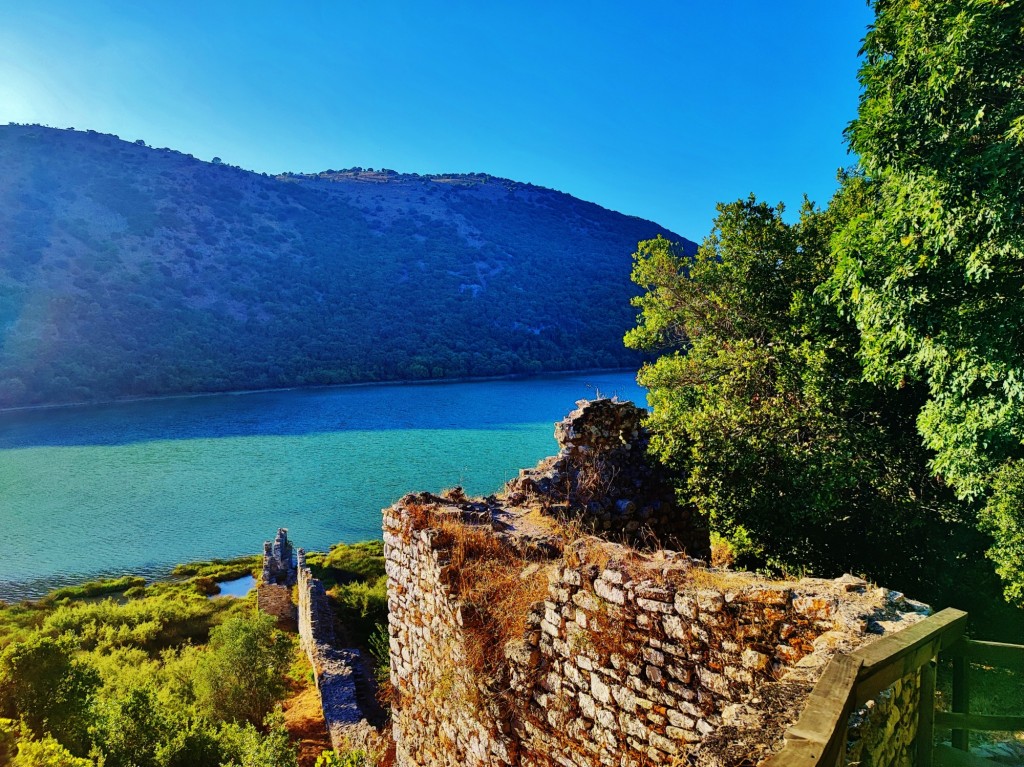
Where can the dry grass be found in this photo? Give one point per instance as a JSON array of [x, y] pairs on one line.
[[497, 586], [455, 495], [721, 580], [588, 550], [419, 515], [591, 478], [304, 720]]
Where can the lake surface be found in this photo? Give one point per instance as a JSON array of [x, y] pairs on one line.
[[138, 487], [237, 587]]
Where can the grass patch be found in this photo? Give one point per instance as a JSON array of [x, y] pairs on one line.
[[996, 691], [221, 569], [353, 574], [348, 563], [91, 589]]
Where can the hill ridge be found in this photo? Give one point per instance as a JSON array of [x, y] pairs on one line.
[[129, 271]]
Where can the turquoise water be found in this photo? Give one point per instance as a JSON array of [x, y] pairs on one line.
[[237, 587], [138, 487]]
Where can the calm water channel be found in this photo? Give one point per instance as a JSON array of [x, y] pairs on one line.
[[138, 487]]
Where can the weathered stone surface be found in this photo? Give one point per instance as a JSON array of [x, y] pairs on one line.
[[632, 662], [342, 677], [273, 592], [603, 477]]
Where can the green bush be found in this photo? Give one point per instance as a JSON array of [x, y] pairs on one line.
[[123, 682], [348, 562], [362, 607], [351, 758], [240, 676], [47, 752], [245, 746], [96, 588], [49, 689]]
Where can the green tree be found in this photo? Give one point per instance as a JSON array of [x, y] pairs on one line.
[[933, 269], [241, 675], [247, 747], [193, 743], [47, 752], [759, 404], [129, 728], [44, 684]]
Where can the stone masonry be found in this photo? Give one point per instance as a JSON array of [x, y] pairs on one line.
[[883, 732], [339, 673], [336, 670], [631, 659], [604, 477], [273, 593]]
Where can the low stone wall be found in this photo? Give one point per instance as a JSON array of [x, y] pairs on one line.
[[631, 660], [276, 600], [336, 670]]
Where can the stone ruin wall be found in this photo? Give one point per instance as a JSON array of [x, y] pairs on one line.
[[436, 713], [883, 733], [635, 659], [275, 599], [622, 664], [603, 477], [274, 591], [642, 659], [338, 672]]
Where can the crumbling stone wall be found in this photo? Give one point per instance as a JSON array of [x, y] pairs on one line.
[[336, 670], [279, 565], [631, 660], [604, 477], [273, 593], [439, 711]]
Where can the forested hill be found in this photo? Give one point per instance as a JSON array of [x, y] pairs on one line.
[[132, 271]]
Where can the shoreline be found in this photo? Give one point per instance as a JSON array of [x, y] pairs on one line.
[[315, 387]]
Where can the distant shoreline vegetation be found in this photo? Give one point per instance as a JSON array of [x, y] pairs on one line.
[[241, 392]]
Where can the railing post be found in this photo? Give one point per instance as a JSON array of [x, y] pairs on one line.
[[961, 699], [926, 715]]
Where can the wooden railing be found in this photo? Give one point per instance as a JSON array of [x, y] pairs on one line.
[[818, 739], [960, 719]]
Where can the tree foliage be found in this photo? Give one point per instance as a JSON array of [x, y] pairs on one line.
[[933, 269], [241, 675], [760, 405], [41, 682], [136, 683]]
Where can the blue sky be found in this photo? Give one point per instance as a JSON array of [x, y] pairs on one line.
[[654, 109]]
